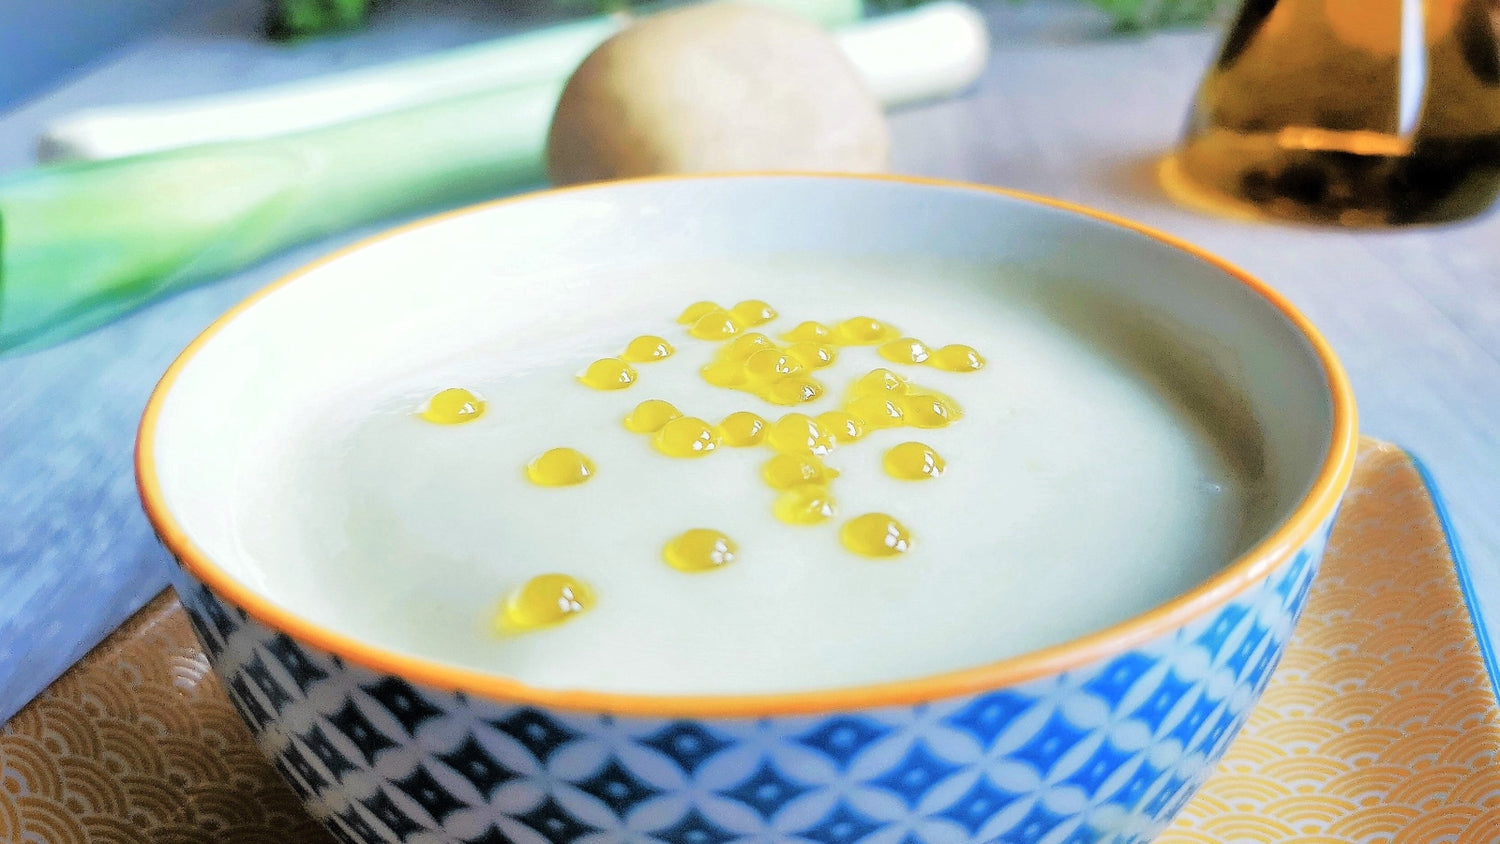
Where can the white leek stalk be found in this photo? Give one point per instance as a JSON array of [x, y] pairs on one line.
[[544, 55], [930, 52]]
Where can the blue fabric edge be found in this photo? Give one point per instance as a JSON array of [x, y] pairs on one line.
[[1461, 566]]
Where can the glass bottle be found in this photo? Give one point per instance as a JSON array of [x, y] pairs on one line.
[[1355, 112]]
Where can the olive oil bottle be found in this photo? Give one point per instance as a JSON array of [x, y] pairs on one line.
[[1354, 112]]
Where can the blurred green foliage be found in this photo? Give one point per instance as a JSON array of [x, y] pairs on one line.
[[291, 19]]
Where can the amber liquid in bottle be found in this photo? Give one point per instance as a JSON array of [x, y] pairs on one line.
[[1356, 112]]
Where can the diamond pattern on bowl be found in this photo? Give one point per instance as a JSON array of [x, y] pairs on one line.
[[767, 791], [686, 743], [379, 759], [843, 825], [916, 775], [618, 788]]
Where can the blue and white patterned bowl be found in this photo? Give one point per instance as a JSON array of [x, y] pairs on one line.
[[1102, 739]]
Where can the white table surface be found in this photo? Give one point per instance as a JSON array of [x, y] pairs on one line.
[[1065, 108]]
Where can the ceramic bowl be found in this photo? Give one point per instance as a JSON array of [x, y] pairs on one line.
[[1100, 739]]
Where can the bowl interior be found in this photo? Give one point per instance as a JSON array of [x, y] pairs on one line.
[[545, 266]]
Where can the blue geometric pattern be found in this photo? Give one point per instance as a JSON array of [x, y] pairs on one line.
[[538, 733], [915, 775], [841, 739], [1104, 754], [1034, 827], [768, 791], [686, 743], [618, 788], [554, 823], [841, 826], [1054, 739], [694, 828], [989, 715], [476, 765], [1101, 766], [975, 808]]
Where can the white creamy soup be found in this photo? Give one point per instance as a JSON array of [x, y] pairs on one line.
[[1062, 493]]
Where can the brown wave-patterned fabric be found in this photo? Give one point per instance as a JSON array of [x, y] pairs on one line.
[[137, 743]]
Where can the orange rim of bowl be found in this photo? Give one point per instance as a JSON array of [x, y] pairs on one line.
[[1317, 505]]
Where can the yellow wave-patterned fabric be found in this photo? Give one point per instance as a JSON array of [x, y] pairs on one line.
[[138, 744], [1380, 724]]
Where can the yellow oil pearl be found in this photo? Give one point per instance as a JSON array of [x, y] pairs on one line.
[[770, 365], [876, 412], [742, 428], [742, 347], [880, 382], [862, 331], [913, 462], [542, 601], [810, 332], [812, 355], [686, 436], [700, 549], [608, 374], [786, 471], [798, 433], [724, 373], [841, 425], [650, 415], [793, 389], [696, 310], [956, 358], [907, 350], [804, 505], [875, 535], [560, 467], [453, 406], [928, 410], [753, 312], [715, 325], [647, 348]]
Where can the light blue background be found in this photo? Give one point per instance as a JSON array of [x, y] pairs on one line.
[[77, 556]]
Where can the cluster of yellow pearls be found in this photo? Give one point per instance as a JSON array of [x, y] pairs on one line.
[[453, 406], [543, 601], [911, 351], [754, 364], [617, 373], [883, 399], [708, 321], [779, 373]]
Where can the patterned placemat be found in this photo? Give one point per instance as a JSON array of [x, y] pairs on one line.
[[1381, 724]]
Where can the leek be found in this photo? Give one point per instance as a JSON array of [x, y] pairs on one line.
[[85, 242], [543, 55]]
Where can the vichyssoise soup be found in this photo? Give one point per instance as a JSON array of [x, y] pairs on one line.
[[820, 473]]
